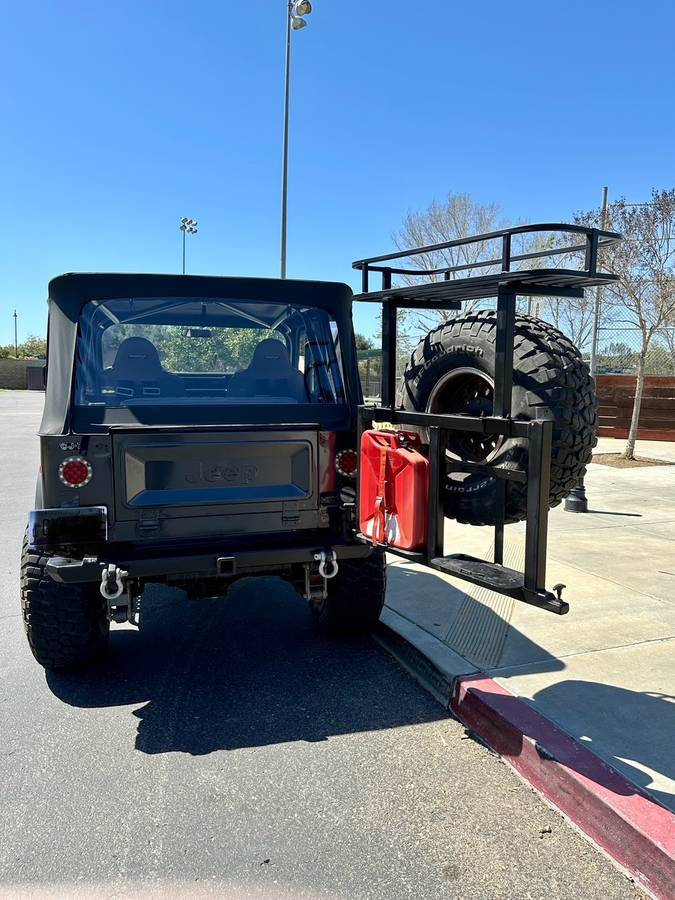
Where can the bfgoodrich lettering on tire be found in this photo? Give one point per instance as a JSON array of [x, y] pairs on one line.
[[452, 371]]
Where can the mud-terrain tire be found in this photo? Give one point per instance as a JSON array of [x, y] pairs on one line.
[[66, 625], [355, 596], [452, 370]]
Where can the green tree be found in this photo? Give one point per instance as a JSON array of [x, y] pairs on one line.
[[363, 342], [645, 263], [31, 348], [192, 349]]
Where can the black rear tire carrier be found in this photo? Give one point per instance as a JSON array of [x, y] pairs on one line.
[[505, 285]]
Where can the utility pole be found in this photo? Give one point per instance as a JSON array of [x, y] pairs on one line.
[[16, 339], [598, 292]]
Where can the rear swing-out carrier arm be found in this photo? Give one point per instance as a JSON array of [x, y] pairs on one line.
[[504, 283]]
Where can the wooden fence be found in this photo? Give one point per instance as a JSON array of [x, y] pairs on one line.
[[657, 412]]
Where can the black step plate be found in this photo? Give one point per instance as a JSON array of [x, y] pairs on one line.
[[478, 571]]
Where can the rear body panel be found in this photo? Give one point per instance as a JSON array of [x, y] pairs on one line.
[[233, 482], [168, 484], [209, 473]]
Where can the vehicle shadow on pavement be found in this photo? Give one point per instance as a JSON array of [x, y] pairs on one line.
[[246, 670]]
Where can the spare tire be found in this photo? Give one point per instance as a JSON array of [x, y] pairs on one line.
[[452, 371]]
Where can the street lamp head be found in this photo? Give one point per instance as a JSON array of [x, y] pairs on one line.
[[188, 225], [302, 8], [297, 23]]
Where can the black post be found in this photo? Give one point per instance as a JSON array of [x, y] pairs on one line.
[[16, 339], [503, 389], [506, 319], [436, 520], [538, 486], [577, 500], [388, 346]]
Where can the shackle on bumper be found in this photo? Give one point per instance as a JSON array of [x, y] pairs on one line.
[[112, 584], [327, 560]]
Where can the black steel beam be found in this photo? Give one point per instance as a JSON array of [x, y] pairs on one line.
[[506, 317], [538, 487], [436, 521], [591, 260], [546, 282], [500, 517], [422, 304], [479, 424], [388, 392]]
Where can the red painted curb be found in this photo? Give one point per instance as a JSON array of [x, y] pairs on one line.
[[632, 828]]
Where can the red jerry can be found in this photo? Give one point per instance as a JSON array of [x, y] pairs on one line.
[[394, 489]]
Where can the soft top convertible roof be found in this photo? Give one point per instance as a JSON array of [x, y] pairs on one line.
[[70, 292]]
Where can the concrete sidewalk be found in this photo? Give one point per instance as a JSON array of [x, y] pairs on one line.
[[605, 673]]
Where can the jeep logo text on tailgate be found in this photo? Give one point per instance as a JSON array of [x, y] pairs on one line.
[[227, 474]]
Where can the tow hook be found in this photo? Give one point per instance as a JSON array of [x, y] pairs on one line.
[[112, 585], [327, 559], [316, 579]]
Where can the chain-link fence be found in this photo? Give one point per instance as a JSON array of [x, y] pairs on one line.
[[370, 370], [617, 350]]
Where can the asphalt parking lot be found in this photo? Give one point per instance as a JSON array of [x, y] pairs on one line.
[[227, 749]]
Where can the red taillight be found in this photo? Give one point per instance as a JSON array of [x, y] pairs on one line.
[[75, 472], [346, 462]]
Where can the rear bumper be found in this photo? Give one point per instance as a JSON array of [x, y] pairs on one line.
[[214, 564]]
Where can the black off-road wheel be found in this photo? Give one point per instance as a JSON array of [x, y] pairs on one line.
[[66, 625], [355, 596], [452, 371]]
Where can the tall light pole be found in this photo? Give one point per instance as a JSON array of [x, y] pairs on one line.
[[16, 338], [187, 226], [596, 304], [577, 501], [294, 22]]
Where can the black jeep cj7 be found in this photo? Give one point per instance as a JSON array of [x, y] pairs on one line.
[[198, 430]]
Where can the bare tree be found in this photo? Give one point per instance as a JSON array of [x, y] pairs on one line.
[[458, 216], [668, 335], [645, 264], [574, 317]]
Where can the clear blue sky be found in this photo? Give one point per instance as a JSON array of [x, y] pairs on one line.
[[121, 117]]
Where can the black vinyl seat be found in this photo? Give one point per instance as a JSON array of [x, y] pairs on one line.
[[137, 372], [269, 374]]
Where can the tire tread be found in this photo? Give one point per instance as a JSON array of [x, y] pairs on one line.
[[66, 627], [544, 357]]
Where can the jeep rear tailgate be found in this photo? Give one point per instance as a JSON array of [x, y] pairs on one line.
[[262, 480]]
